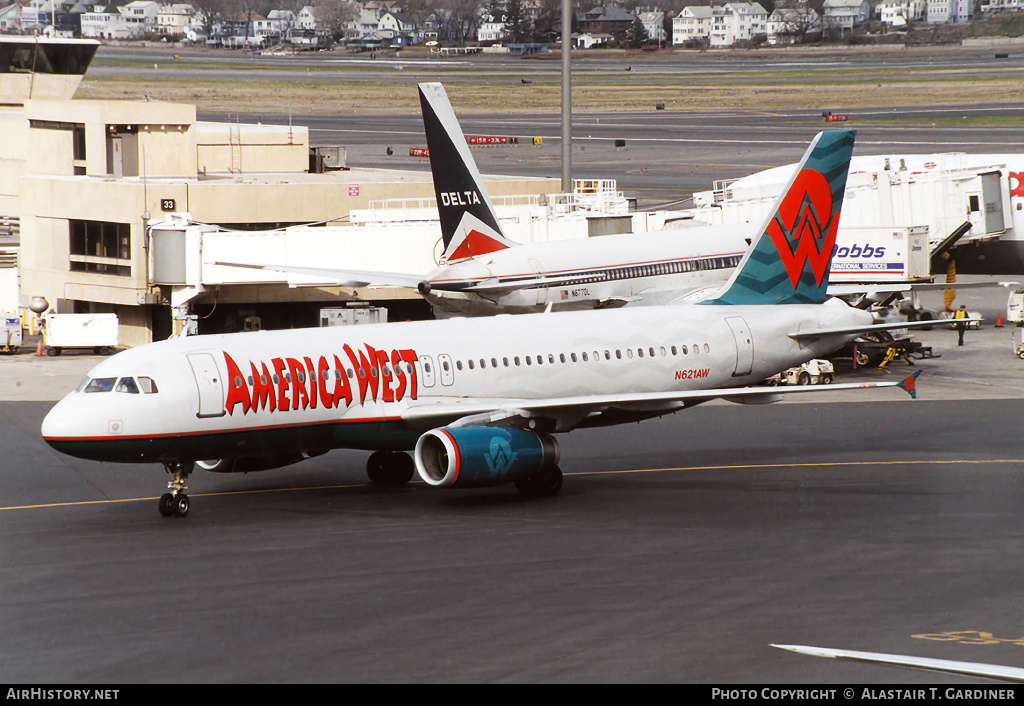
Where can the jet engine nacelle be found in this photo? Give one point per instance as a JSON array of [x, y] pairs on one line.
[[476, 457]]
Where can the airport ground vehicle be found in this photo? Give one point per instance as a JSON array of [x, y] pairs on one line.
[[10, 333], [814, 372], [96, 331]]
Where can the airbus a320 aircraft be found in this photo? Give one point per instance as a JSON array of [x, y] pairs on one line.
[[477, 400], [482, 272]]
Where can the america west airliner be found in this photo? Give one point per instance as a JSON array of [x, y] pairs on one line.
[[478, 401], [482, 272]]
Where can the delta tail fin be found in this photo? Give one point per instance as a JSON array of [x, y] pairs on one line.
[[790, 260], [469, 225]]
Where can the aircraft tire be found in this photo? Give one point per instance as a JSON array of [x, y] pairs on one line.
[[165, 505], [387, 469], [181, 505], [544, 484], [400, 467]]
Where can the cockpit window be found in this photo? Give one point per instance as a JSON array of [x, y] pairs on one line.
[[127, 385], [149, 386], [101, 385]]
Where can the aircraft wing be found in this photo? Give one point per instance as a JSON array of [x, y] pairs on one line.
[[971, 669], [569, 412], [344, 278], [844, 290], [892, 325]]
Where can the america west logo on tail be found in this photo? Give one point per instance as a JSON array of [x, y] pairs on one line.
[[790, 261], [807, 222]]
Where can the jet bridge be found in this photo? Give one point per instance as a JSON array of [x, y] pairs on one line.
[[940, 191]]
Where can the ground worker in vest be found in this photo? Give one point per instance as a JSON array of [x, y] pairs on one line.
[[960, 313]]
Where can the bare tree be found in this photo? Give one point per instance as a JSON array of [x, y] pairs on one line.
[[208, 12], [335, 15], [464, 16]]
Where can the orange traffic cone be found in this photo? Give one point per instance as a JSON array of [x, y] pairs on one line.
[[999, 320], [39, 347]]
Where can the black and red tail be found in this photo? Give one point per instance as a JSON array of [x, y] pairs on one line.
[[469, 225]]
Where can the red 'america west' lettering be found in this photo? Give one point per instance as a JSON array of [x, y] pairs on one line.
[[292, 384]]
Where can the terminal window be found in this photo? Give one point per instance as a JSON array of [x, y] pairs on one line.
[[101, 247]]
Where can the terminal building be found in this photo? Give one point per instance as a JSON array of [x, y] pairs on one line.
[[82, 181]]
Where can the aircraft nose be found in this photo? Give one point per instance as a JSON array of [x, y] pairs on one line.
[[57, 423]]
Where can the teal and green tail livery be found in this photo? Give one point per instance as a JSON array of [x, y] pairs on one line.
[[789, 262]]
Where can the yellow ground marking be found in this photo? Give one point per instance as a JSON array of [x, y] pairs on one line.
[[743, 466], [190, 495]]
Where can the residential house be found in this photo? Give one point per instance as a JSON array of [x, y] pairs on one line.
[[589, 41], [737, 22], [263, 30], [898, 13], [10, 19], [692, 25], [306, 30], [379, 7], [654, 25], [306, 19], [949, 11], [789, 25], [281, 21], [493, 29], [36, 15], [1001, 5], [140, 17], [842, 16], [174, 20], [363, 30], [605, 19], [61, 18], [105, 23], [399, 27]]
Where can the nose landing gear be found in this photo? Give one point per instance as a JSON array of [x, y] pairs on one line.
[[175, 503]]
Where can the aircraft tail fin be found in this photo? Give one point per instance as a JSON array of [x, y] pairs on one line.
[[469, 225], [789, 261]]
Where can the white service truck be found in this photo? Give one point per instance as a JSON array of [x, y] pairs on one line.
[[96, 331]]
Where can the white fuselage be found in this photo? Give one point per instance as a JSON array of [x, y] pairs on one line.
[[647, 268], [306, 391]]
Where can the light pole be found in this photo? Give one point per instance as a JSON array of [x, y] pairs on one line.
[[566, 96]]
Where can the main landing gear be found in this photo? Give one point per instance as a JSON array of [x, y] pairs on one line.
[[543, 484], [390, 468], [175, 503]]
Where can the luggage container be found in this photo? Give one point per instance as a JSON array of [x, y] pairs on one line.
[[10, 333]]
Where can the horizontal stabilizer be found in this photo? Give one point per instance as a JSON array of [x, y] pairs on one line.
[[891, 326], [971, 669]]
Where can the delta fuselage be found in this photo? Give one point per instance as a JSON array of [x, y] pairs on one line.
[[647, 268], [286, 395]]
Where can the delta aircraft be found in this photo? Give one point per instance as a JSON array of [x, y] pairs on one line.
[[478, 401], [482, 272]]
